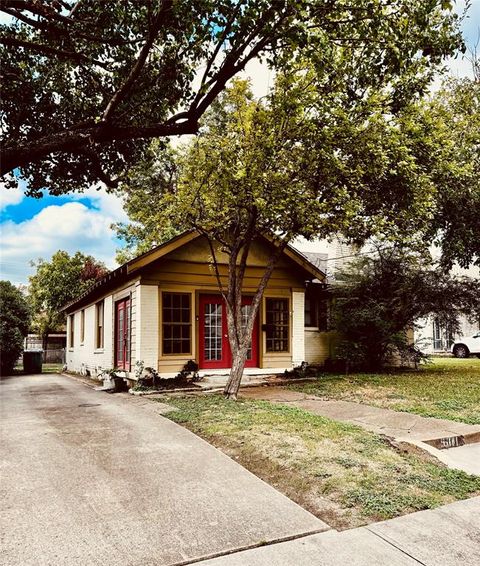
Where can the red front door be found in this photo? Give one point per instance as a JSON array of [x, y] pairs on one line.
[[214, 347], [122, 334]]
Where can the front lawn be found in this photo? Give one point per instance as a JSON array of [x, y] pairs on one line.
[[448, 388], [344, 475], [46, 368]]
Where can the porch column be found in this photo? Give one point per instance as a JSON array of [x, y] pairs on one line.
[[147, 325], [298, 327]]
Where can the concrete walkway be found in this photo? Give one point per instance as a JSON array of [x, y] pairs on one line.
[[447, 536], [95, 479], [427, 433]]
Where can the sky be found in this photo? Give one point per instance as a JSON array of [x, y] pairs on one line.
[[36, 228]]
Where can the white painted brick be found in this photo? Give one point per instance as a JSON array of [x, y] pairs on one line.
[[86, 358], [147, 324], [317, 346], [298, 327]]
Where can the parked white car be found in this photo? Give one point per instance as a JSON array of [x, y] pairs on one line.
[[467, 345]]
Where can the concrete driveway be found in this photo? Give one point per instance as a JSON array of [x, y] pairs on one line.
[[91, 478]]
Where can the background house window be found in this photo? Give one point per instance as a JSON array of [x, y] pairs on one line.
[[442, 336], [82, 326], [278, 323], [316, 309], [323, 314], [99, 325], [176, 323], [71, 337], [310, 310]]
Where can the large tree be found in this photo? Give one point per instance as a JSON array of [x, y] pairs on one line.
[[294, 165], [55, 283], [14, 324], [86, 84], [454, 113]]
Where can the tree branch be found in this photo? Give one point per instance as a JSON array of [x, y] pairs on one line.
[[139, 63], [97, 167], [45, 49], [73, 140], [215, 262], [36, 8], [69, 31]]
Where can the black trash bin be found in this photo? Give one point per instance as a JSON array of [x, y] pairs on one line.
[[32, 361]]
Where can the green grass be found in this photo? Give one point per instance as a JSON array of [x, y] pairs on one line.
[[52, 368], [341, 473], [46, 368], [447, 388]]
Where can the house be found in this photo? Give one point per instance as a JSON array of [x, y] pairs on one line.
[[164, 308], [433, 337]]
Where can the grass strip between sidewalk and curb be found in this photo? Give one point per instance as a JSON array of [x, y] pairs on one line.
[[446, 389], [344, 475]]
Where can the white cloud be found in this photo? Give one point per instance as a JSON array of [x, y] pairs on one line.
[[71, 226], [9, 196], [109, 203]]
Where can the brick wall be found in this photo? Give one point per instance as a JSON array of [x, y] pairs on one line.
[[84, 357], [148, 324], [298, 327], [317, 345]]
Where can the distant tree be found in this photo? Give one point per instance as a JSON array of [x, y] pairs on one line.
[[454, 113], [14, 324], [379, 298], [86, 84], [55, 283]]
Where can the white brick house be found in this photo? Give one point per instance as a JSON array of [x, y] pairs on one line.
[[164, 308]]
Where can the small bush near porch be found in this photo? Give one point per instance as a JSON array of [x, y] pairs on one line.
[[448, 388], [343, 474]]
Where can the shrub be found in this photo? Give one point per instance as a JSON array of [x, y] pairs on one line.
[[14, 324]]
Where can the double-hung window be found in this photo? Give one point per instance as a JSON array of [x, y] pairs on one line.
[[316, 310], [99, 316], [82, 326], [176, 323], [71, 338]]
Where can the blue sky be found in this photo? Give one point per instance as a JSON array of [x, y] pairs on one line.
[[32, 228]]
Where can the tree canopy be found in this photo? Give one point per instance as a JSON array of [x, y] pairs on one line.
[[86, 84], [14, 325], [58, 281], [454, 113]]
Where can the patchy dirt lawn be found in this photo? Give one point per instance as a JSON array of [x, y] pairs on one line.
[[344, 475]]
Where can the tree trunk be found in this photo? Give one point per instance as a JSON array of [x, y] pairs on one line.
[[239, 336], [236, 373]]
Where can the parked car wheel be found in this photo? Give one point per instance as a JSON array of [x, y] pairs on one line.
[[461, 351]]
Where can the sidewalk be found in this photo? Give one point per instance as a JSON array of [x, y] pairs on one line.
[[428, 434], [447, 536]]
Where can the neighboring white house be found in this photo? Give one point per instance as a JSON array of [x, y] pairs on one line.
[[433, 338]]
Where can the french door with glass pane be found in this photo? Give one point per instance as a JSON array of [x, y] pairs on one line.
[[214, 347], [122, 334]]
